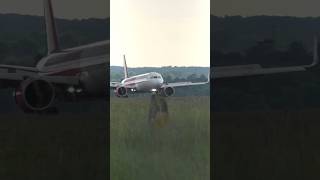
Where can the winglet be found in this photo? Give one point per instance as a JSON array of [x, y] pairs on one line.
[[315, 56], [125, 69], [52, 37], [315, 52], [209, 75]]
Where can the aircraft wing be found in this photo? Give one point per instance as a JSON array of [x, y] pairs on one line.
[[252, 70], [114, 85], [257, 69], [11, 73], [243, 71], [183, 84]]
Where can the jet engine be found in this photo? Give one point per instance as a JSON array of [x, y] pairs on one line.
[[167, 91], [121, 92], [34, 95]]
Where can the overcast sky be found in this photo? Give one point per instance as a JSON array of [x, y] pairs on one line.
[[300, 8], [69, 9], [160, 32]]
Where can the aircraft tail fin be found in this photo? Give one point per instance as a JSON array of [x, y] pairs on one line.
[[125, 68], [51, 31]]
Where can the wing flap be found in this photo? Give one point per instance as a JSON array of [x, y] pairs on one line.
[[240, 71], [183, 84], [16, 73]]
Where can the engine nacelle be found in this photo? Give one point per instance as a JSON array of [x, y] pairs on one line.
[[34, 95], [121, 92], [167, 91]]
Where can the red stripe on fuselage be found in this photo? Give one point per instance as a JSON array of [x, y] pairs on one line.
[[131, 84], [129, 80]]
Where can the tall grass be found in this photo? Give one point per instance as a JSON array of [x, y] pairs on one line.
[[179, 150], [63, 146], [267, 145]]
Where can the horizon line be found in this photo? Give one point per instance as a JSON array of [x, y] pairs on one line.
[[57, 17]]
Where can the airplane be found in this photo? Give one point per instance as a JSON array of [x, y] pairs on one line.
[[149, 82], [153, 82], [79, 72]]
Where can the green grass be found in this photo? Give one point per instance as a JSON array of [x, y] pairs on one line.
[[64, 146], [178, 150], [267, 145]]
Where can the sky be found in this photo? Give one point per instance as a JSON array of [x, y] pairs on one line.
[[160, 32], [68, 9]]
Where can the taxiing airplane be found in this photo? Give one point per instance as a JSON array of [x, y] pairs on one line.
[[149, 82], [81, 72], [75, 72], [153, 81]]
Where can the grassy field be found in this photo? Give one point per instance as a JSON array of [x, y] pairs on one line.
[[178, 150], [267, 145], [63, 146]]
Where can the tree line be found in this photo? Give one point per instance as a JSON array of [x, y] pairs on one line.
[[23, 37], [264, 53]]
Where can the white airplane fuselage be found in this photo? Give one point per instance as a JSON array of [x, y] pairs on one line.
[[89, 62], [144, 83]]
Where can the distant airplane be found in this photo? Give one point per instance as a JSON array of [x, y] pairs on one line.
[[149, 82], [75, 72]]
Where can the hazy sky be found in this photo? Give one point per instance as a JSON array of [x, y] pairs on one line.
[[69, 9], [160, 32], [267, 7]]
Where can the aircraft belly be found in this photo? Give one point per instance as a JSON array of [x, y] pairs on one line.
[[147, 86]]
